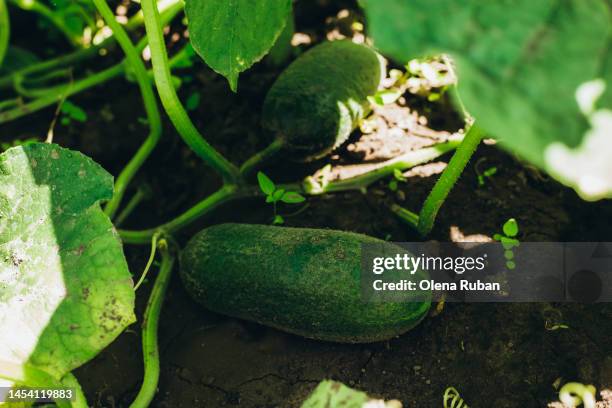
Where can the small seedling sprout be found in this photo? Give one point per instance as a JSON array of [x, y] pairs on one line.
[[509, 241], [276, 194], [398, 177]]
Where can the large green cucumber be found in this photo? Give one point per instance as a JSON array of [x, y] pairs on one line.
[[303, 281], [320, 98]]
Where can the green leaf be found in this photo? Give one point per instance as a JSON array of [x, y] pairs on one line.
[[73, 111], [509, 243], [393, 185], [231, 35], [511, 228], [523, 68], [398, 175], [491, 171], [193, 101], [277, 195], [278, 220], [332, 394], [65, 288], [265, 184], [291, 197]]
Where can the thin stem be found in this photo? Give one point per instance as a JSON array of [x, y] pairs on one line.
[[21, 89], [313, 186], [55, 94], [141, 194], [405, 215], [167, 8], [164, 7], [150, 348], [144, 274], [260, 158], [65, 91], [447, 180], [226, 193], [171, 102], [51, 64], [134, 62]]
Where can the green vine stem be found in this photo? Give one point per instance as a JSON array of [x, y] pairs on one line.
[[171, 101], [223, 195], [405, 215], [410, 159], [232, 192], [257, 160], [143, 193], [51, 64], [447, 180], [54, 94], [63, 92], [5, 30], [25, 374], [166, 8], [32, 92], [150, 348], [134, 62]]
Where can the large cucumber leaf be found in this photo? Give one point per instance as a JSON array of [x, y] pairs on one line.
[[530, 72], [232, 35], [65, 288]]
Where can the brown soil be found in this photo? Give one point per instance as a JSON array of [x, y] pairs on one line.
[[496, 355]]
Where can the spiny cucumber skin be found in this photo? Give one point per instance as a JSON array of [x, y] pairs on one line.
[[302, 281], [320, 98]]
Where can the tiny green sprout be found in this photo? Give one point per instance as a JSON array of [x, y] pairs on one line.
[[398, 177], [71, 112], [274, 194], [509, 241], [193, 101], [393, 185], [488, 173], [511, 228]]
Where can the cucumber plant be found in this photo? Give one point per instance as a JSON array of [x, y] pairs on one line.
[[535, 75]]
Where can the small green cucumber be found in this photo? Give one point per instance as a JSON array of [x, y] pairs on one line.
[[320, 98], [299, 280]]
